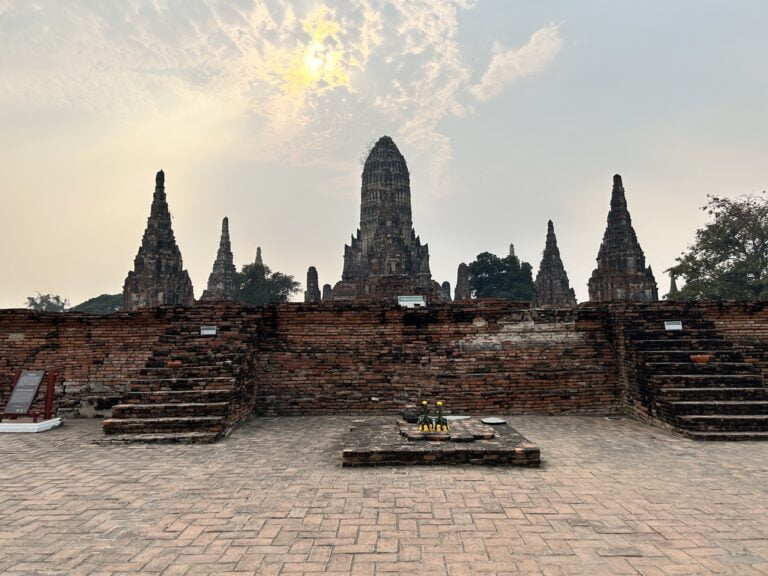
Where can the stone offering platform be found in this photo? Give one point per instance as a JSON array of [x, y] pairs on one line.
[[384, 440]]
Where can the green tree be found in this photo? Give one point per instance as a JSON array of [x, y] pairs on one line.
[[47, 303], [259, 285], [104, 304], [494, 277], [729, 259]]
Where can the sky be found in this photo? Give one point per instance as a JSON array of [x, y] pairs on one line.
[[508, 112]]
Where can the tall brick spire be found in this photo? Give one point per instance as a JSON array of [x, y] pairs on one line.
[[552, 287], [222, 283], [621, 273], [385, 258], [158, 277]]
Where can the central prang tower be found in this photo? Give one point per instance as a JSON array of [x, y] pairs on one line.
[[385, 258]]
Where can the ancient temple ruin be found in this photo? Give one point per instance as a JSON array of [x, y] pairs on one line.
[[312, 293], [445, 290], [552, 287], [222, 283], [673, 290], [158, 277], [385, 258], [463, 291], [621, 273]]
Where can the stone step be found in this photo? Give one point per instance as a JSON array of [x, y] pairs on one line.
[[188, 371], [163, 425], [694, 333], [176, 409], [709, 407], [712, 394], [161, 438], [182, 384], [685, 355], [711, 367], [725, 436], [724, 422], [201, 357], [177, 396], [681, 344], [659, 316], [705, 380]]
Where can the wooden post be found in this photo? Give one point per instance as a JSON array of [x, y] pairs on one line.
[[49, 391]]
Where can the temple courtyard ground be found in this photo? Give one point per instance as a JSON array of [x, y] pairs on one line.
[[611, 497]]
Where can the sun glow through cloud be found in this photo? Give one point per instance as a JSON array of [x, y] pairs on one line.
[[322, 63]]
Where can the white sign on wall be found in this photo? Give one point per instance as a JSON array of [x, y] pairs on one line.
[[411, 302], [673, 325]]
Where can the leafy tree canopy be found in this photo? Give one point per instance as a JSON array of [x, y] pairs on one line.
[[258, 285], [47, 303], [104, 304], [494, 277], [729, 259]]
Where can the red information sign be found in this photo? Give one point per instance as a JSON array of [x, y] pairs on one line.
[[26, 385]]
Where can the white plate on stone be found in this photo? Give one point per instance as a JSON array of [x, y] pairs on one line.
[[493, 420], [449, 418]]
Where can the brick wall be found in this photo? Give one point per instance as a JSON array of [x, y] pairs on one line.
[[330, 358], [94, 356], [489, 356], [746, 325], [486, 356]]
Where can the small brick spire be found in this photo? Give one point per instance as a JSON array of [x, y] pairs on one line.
[[621, 273], [222, 283], [552, 287], [312, 293], [158, 277]]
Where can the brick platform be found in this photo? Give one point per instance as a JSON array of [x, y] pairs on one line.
[[611, 497], [377, 441]]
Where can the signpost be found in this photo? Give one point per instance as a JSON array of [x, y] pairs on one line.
[[26, 384]]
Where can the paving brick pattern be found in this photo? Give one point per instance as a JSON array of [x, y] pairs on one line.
[[611, 497]]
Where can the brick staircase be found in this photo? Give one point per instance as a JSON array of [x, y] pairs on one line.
[[722, 399], [199, 401]]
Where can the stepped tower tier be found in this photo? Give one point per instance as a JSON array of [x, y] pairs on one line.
[[552, 287], [621, 273], [222, 283], [385, 258], [158, 277]]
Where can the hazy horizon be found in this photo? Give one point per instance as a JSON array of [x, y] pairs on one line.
[[508, 114]]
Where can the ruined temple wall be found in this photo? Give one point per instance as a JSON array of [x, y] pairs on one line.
[[743, 324], [746, 325], [94, 356], [336, 358], [478, 357]]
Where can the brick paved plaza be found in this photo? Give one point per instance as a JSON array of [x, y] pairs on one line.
[[611, 497]]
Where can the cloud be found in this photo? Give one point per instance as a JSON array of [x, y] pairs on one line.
[[299, 76], [509, 65]]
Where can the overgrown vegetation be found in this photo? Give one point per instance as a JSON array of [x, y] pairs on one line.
[[729, 259], [507, 278]]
